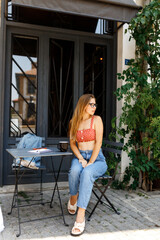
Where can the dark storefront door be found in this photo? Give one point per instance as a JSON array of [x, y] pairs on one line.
[[44, 79], [61, 82], [95, 75], [61, 85]]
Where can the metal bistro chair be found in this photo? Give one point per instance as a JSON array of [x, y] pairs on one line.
[[19, 173], [116, 149]]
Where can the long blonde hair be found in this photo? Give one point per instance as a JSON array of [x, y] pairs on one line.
[[78, 114]]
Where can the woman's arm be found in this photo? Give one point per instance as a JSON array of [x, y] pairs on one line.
[[98, 141], [77, 153], [75, 149]]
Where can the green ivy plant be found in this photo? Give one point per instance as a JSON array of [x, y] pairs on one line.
[[140, 90]]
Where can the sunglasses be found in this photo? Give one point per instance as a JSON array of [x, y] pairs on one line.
[[93, 105]]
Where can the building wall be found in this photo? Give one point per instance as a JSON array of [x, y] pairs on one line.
[[1, 96], [0, 13], [126, 50]]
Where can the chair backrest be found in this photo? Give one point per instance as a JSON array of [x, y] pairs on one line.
[[115, 148]]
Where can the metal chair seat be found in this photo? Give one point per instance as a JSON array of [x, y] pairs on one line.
[[105, 177], [114, 147], [19, 172]]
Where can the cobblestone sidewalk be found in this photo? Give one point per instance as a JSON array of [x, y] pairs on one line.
[[139, 218]]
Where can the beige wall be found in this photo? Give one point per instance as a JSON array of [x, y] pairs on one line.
[[126, 50], [142, 2]]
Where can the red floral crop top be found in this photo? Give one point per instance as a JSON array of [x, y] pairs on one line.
[[86, 135]]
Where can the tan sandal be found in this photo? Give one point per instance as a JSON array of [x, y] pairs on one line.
[[78, 226], [28, 164], [72, 208]]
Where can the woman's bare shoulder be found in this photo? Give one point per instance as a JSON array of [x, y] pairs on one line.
[[97, 119]]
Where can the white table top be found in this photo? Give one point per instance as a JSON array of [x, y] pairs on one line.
[[25, 152]]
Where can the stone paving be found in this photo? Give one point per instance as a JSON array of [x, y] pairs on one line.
[[139, 217]]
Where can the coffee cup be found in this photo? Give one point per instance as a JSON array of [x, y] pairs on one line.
[[63, 146]]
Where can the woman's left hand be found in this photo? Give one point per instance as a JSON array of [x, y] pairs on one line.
[[88, 164]]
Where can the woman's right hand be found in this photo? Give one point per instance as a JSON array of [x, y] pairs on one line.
[[83, 162]]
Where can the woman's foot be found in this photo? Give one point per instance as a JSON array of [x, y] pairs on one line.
[[78, 228], [72, 208], [72, 205], [79, 225]]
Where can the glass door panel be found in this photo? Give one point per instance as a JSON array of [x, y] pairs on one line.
[[95, 75], [60, 107], [23, 85]]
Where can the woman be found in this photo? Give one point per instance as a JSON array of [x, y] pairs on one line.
[[86, 133]]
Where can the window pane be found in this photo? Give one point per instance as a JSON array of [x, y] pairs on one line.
[[95, 76], [23, 85], [60, 87]]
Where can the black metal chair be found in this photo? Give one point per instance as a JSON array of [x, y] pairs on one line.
[[19, 172], [21, 169], [108, 148]]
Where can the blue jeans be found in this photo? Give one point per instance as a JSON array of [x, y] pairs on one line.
[[81, 179]]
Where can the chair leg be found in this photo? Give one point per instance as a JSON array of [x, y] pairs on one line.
[[100, 201], [111, 205], [103, 195], [41, 190], [90, 215], [13, 201], [17, 202], [96, 195]]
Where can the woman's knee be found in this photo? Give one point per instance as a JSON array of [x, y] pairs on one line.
[[74, 171], [87, 174]]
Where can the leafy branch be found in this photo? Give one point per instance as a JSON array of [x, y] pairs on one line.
[[140, 118]]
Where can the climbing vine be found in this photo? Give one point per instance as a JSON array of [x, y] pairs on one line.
[[140, 90]]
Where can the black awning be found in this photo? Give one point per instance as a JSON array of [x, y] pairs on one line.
[[116, 10]]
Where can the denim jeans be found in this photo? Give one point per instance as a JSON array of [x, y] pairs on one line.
[[81, 179]]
